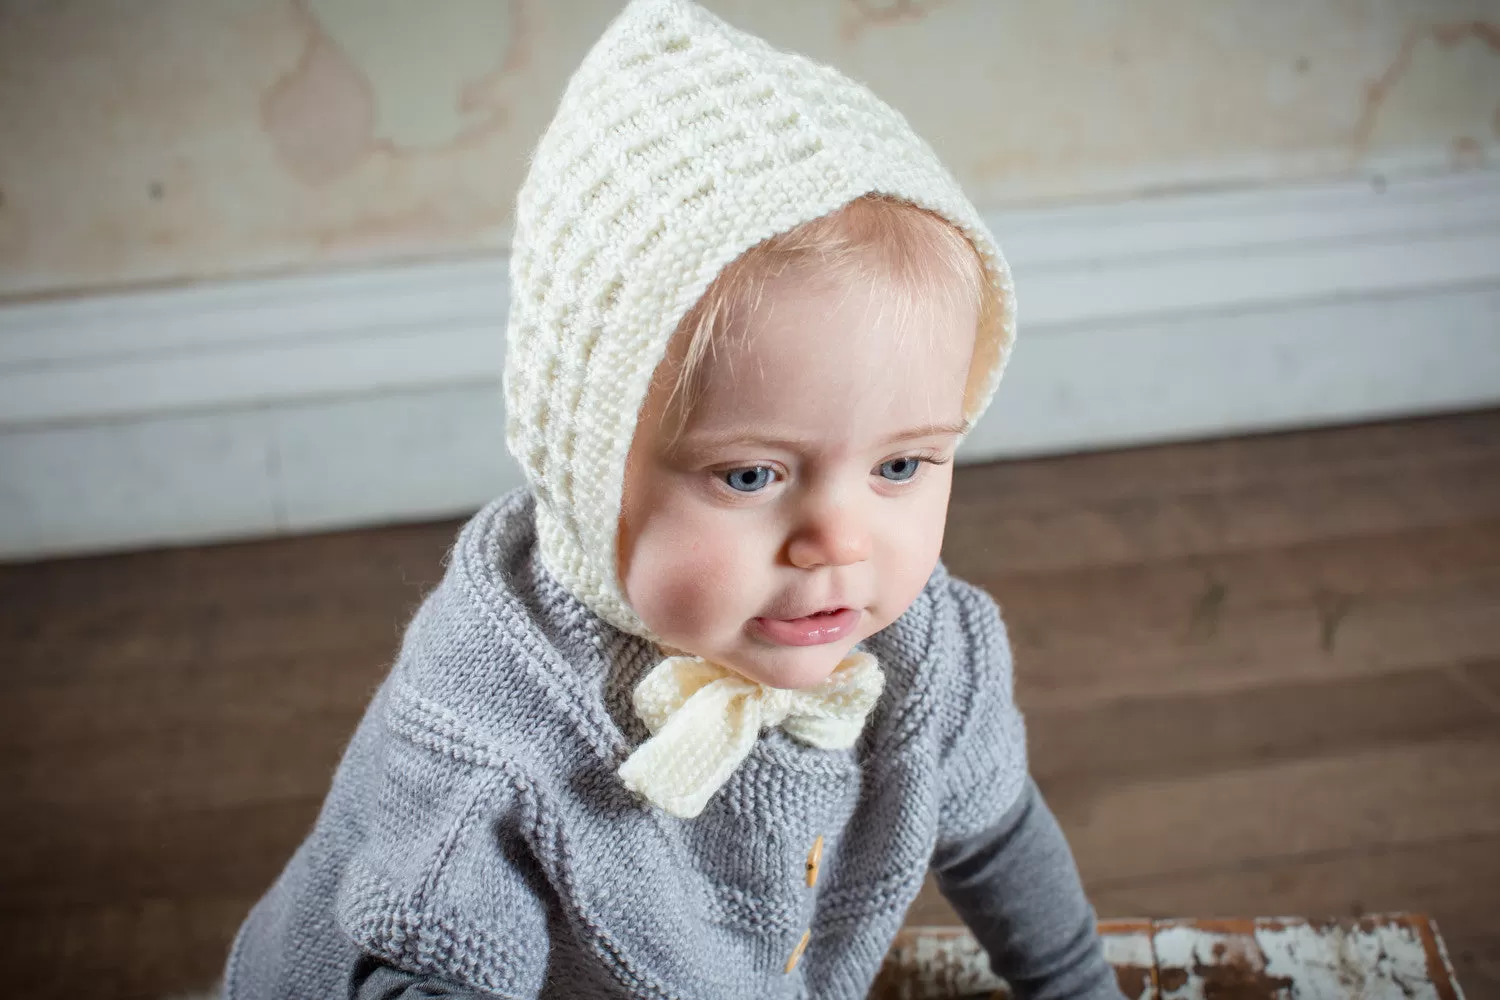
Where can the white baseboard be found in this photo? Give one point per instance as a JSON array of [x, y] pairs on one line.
[[319, 401]]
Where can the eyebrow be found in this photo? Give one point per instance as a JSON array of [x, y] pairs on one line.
[[927, 430], [737, 437]]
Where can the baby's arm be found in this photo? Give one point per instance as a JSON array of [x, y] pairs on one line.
[[1001, 858], [445, 897], [385, 983], [1017, 888]]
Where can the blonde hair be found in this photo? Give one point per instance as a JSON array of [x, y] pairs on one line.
[[914, 253]]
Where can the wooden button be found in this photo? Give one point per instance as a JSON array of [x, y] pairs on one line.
[[791, 963], [814, 859]]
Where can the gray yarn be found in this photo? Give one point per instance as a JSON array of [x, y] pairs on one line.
[[476, 829]]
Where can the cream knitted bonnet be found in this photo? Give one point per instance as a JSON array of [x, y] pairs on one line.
[[679, 143]]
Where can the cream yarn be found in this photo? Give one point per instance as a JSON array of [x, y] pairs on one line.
[[679, 143], [704, 719]]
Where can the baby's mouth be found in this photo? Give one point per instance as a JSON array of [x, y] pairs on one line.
[[816, 629]]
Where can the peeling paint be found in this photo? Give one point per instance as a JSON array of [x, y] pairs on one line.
[[1134, 963], [1398, 956], [1393, 956], [1334, 964], [938, 963], [1196, 963], [1128, 949], [948, 964]]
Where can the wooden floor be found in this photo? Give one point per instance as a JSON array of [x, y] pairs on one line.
[[1262, 677]]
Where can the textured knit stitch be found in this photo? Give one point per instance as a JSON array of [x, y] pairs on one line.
[[476, 829], [679, 143], [705, 718]]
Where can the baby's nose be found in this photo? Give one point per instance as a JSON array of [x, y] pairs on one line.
[[834, 537]]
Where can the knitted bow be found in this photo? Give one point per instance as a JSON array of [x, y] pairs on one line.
[[705, 718]]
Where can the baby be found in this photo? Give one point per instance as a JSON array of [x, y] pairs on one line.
[[692, 716]]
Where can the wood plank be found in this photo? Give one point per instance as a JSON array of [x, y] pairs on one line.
[[186, 736], [79, 857], [199, 768], [1185, 596], [1176, 525], [1456, 880], [1393, 955], [107, 715], [93, 602], [1475, 958], [1138, 739], [946, 963], [270, 574], [140, 951], [1353, 883], [1369, 799], [1486, 677], [1326, 608], [1253, 647], [165, 630], [1403, 448]]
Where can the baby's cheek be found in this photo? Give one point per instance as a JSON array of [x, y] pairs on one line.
[[687, 587], [913, 556]]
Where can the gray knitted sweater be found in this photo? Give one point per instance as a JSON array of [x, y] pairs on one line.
[[476, 835]]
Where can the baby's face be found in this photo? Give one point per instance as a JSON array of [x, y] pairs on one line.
[[801, 507]]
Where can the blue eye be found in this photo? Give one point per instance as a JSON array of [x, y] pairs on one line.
[[751, 479], [899, 470]]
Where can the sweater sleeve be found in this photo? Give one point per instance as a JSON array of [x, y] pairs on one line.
[[982, 755], [446, 882], [1017, 888]]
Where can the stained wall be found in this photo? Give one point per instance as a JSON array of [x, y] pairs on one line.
[[187, 140]]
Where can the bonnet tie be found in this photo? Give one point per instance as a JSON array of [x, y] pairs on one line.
[[704, 719]]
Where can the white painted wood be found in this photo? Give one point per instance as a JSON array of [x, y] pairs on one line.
[[1274, 959], [1131, 950], [425, 325], [253, 312], [1343, 212], [1250, 278], [411, 456], [136, 483], [1335, 965], [276, 373], [1294, 958], [1296, 365], [347, 398], [252, 472]]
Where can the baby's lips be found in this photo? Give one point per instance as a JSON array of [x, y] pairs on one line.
[[809, 630]]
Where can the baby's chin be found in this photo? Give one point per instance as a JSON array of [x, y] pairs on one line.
[[792, 667], [757, 659]]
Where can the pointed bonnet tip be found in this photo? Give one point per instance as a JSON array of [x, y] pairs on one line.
[[657, 13]]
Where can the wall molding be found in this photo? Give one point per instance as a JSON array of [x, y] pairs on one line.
[[313, 401]]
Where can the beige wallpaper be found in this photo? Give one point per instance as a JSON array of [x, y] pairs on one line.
[[179, 140]]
